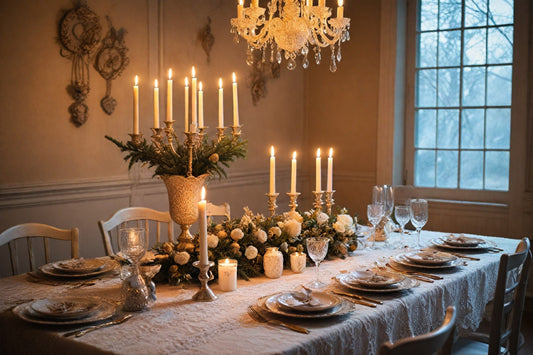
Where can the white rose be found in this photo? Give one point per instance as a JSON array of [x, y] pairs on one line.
[[322, 218], [345, 219], [212, 241], [237, 234], [293, 215], [222, 234], [260, 235], [251, 252], [274, 231], [181, 258], [293, 228], [339, 227]]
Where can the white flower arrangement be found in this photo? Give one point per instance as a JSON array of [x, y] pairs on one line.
[[251, 252]]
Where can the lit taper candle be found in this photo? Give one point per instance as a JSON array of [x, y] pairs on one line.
[[136, 106], [329, 186], [293, 173], [340, 9], [272, 171], [156, 105], [194, 108], [318, 186], [202, 218], [200, 105], [169, 96], [220, 104], [235, 102], [186, 105]]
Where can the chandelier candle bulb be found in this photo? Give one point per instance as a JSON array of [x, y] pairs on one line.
[[293, 173], [255, 3], [329, 186], [235, 102], [272, 171], [298, 261], [186, 105], [203, 228], [200, 105], [169, 96], [156, 105], [220, 104], [321, 2], [340, 9], [136, 106], [227, 274], [239, 9], [318, 186], [194, 109]]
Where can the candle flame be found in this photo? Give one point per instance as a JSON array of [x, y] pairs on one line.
[[271, 150], [220, 83], [170, 74], [200, 86], [203, 193], [234, 78], [186, 81], [318, 153], [341, 3], [193, 72], [155, 83], [331, 152], [136, 80], [294, 155], [241, 2]]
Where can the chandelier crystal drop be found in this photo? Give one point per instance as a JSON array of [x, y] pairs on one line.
[[292, 27]]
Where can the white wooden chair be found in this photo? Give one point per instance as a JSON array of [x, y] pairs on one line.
[[438, 341], [137, 217], [31, 231], [222, 210], [506, 318]]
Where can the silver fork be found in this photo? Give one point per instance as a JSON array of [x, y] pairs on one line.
[[260, 318]]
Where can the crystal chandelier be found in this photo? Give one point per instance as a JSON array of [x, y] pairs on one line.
[[291, 27]]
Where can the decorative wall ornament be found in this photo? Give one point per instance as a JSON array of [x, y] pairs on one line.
[[260, 71], [79, 35], [110, 62], [206, 38]]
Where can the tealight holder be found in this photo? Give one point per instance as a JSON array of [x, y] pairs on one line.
[[205, 294], [293, 197], [220, 133], [272, 202], [136, 138], [318, 200], [329, 201]]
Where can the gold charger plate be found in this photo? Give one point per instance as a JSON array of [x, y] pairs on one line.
[[432, 257], [270, 304], [406, 284], [65, 308]]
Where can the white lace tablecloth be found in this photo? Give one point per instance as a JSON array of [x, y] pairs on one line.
[[177, 325]]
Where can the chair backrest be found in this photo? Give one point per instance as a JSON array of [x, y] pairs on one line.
[[438, 341], [218, 210], [32, 231], [141, 216], [509, 299]]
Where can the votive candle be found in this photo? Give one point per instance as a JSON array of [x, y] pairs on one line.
[[298, 261], [227, 274]]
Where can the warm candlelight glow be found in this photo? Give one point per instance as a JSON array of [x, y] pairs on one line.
[[241, 2], [341, 2], [220, 83], [169, 74], [136, 80], [202, 194], [186, 82], [193, 72], [234, 77], [294, 155], [271, 150], [155, 83], [330, 152], [318, 153], [200, 86]]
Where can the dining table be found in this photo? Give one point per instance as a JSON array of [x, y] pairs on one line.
[[176, 324]]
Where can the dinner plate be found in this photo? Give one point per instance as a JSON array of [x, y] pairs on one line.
[[320, 301], [462, 241], [374, 279], [25, 311], [440, 242], [405, 284], [431, 257], [65, 308], [270, 304], [79, 266], [50, 270], [400, 259]]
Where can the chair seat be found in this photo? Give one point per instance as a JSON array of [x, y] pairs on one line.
[[465, 346]]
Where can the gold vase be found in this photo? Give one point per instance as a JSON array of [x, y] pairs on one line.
[[183, 197]]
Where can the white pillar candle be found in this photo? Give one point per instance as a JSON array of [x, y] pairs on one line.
[[340, 9], [318, 185], [235, 102], [293, 173], [220, 104], [194, 107], [186, 129], [272, 171], [169, 96], [329, 186], [227, 274], [156, 105], [298, 261], [136, 106], [202, 218], [200, 105]]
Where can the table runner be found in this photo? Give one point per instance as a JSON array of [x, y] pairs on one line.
[[176, 324]]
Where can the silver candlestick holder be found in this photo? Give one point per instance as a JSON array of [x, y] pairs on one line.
[[136, 138], [236, 132], [318, 200], [329, 201], [293, 197], [220, 133], [205, 294], [272, 202]]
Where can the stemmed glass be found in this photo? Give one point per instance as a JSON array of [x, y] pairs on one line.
[[402, 213], [132, 244], [374, 213], [383, 194], [317, 248], [419, 216]]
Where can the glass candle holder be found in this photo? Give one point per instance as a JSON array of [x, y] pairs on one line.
[[227, 274], [298, 261]]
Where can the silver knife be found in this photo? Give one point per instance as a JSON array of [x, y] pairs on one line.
[[79, 333]]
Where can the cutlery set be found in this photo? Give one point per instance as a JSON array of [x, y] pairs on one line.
[[83, 331], [254, 313]]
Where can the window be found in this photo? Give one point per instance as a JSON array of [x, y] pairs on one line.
[[462, 94]]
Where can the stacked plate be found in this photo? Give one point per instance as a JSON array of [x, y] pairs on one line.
[[297, 305], [427, 259], [77, 268], [461, 242], [65, 311], [376, 281]]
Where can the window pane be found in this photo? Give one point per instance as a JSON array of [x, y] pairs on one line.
[[499, 85], [474, 86], [448, 94], [475, 46], [427, 48], [501, 12], [426, 93], [500, 45], [450, 14], [425, 128], [449, 48], [497, 170], [447, 169], [472, 129], [425, 168], [475, 13], [429, 11], [448, 129], [498, 129], [471, 170]]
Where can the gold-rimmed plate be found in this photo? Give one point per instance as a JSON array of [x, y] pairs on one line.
[[65, 308], [429, 257], [319, 302], [406, 284], [270, 304]]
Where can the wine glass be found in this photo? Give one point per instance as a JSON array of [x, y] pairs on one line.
[[132, 243], [374, 213], [402, 213], [383, 194], [317, 248], [419, 215]]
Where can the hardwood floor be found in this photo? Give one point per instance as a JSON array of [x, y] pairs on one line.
[[527, 328]]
